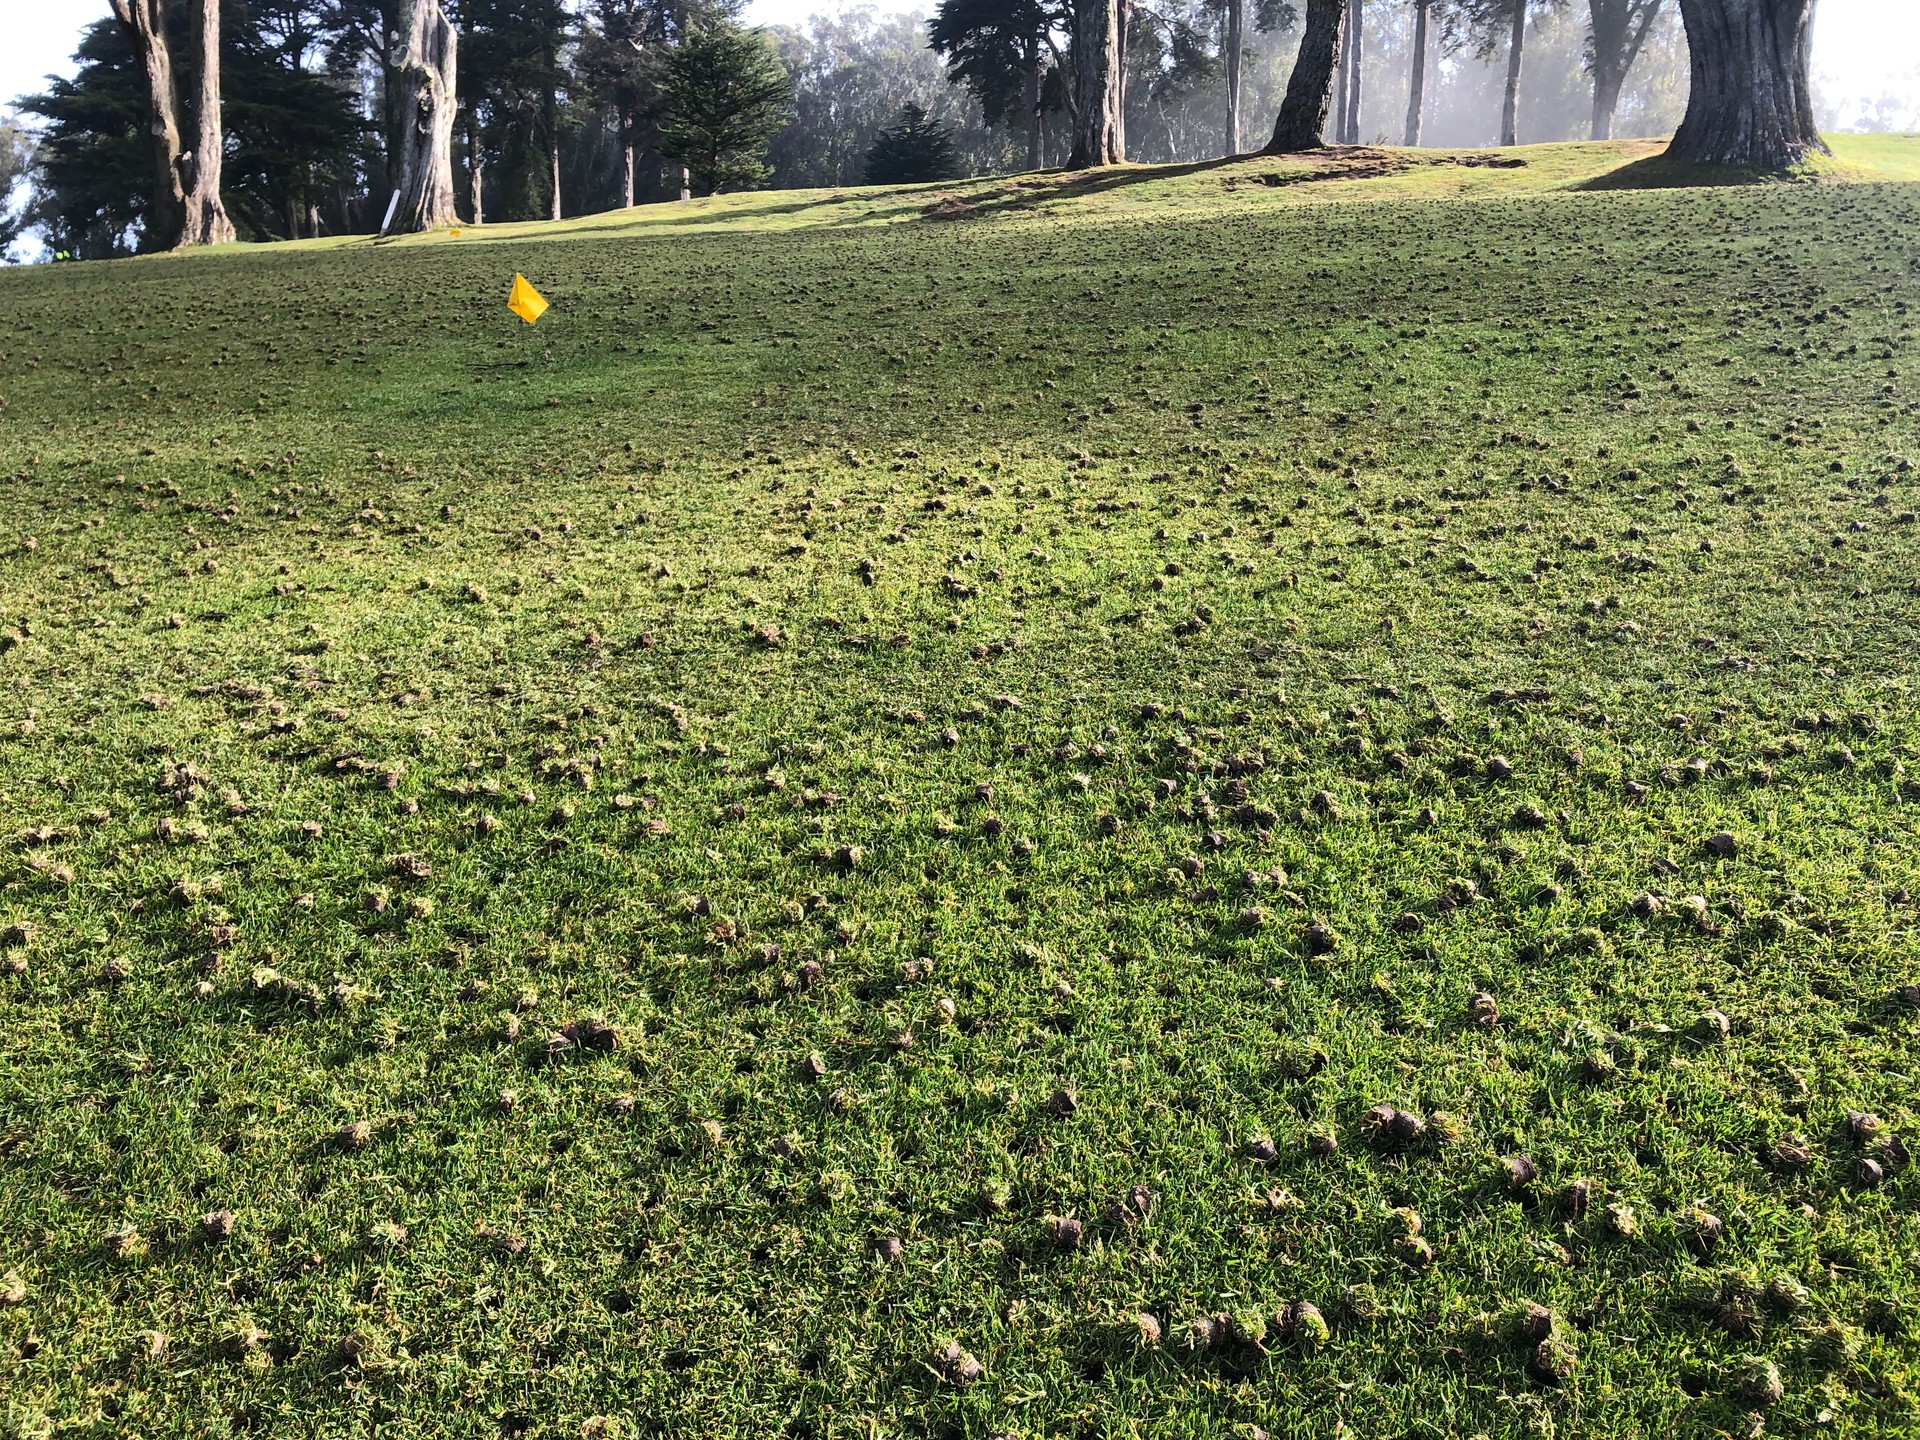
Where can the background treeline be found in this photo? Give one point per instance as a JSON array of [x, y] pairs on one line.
[[570, 108]]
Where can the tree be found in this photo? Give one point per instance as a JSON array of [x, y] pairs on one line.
[[1004, 52], [16, 165], [289, 135], [187, 209], [1516, 44], [852, 75], [1302, 122], [915, 150], [1616, 29], [1491, 23], [1751, 103], [725, 95], [511, 60], [619, 55], [1235, 45], [1099, 80], [1417, 86], [1346, 106], [425, 66]]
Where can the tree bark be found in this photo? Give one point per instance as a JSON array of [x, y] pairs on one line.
[[1417, 87], [1356, 21], [1035, 136], [1340, 92], [476, 170], [1606, 99], [1098, 138], [1616, 31], [1516, 47], [554, 150], [145, 27], [1751, 102], [1302, 122], [1236, 48], [426, 110], [626, 167], [206, 222]]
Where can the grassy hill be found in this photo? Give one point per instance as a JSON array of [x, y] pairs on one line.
[[1255, 798]]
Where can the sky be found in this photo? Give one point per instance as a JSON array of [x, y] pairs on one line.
[[1864, 51]]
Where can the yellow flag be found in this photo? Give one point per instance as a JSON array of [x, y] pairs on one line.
[[526, 302]]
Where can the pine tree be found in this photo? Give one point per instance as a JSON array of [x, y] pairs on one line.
[[725, 95], [915, 150]]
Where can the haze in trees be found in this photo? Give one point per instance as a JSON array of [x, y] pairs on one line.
[[852, 75], [1616, 32]]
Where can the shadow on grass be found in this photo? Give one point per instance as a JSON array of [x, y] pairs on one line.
[[1657, 172], [1028, 191]]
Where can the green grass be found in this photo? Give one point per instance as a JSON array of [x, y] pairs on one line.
[[1221, 630]]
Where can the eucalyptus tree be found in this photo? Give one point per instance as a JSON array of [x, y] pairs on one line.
[[1751, 102], [186, 207]]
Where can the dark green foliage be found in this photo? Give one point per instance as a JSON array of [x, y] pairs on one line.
[[289, 135], [510, 69], [993, 46], [913, 150], [724, 97]]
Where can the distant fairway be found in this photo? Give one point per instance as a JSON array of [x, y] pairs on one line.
[[919, 789]]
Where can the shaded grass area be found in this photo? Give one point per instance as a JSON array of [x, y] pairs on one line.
[[1127, 699]]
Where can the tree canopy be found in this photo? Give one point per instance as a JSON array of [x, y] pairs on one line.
[[915, 149], [726, 96]]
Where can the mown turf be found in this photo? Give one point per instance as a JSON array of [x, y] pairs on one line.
[[1178, 658]]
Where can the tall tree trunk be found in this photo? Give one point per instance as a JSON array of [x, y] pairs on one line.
[[1417, 87], [425, 81], [1751, 102], [1356, 20], [1341, 80], [1606, 99], [554, 151], [1097, 135], [1302, 122], [206, 219], [686, 183], [476, 170], [627, 157], [1236, 48], [1616, 31], [1516, 46], [145, 27], [390, 138], [1035, 137]]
